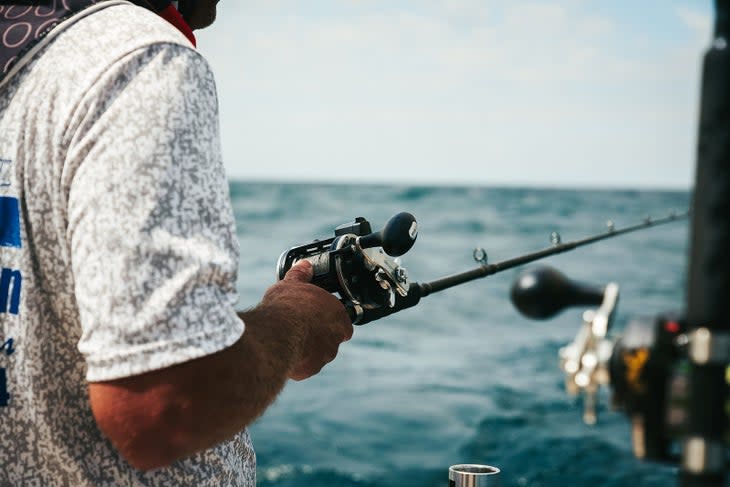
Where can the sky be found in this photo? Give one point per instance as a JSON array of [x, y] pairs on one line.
[[556, 93]]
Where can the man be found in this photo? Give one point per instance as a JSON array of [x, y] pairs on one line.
[[123, 361]]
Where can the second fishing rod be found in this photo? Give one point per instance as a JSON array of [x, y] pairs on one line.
[[364, 269]]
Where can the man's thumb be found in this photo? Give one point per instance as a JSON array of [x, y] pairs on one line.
[[301, 271]]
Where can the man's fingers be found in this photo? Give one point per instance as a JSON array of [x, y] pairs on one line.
[[349, 331], [301, 271]]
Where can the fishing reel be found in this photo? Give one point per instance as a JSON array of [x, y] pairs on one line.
[[646, 367], [360, 265]]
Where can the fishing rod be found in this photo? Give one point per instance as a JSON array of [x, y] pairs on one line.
[[704, 450], [558, 247], [361, 266]]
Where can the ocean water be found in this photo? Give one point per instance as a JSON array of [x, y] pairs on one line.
[[462, 377]]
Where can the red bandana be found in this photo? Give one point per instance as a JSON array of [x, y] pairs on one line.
[[171, 14]]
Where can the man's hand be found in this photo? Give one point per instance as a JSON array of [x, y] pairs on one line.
[[320, 319]]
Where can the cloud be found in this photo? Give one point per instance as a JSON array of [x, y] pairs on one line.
[[700, 23], [455, 91]]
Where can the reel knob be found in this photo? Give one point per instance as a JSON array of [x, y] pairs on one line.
[[542, 292], [397, 236]]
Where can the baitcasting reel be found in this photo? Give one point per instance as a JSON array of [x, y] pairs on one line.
[[543, 292], [360, 265], [646, 367]]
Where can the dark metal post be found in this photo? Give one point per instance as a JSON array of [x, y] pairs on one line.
[[708, 287]]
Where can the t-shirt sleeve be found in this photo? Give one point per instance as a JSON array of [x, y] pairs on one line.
[[151, 231]]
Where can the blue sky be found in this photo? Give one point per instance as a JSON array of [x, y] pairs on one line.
[[486, 92]]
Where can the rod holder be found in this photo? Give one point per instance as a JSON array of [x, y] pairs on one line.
[[472, 475]]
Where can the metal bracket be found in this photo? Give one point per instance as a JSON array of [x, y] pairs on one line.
[[585, 360]]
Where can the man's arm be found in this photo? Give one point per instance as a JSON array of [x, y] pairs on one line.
[[162, 416]]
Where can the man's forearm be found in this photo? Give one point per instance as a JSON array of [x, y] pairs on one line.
[[156, 418], [159, 417]]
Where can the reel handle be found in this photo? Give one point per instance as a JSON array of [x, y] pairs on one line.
[[542, 292], [397, 236]]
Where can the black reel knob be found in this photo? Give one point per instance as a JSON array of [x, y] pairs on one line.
[[397, 236], [542, 292]]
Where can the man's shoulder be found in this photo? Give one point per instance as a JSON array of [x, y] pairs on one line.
[[94, 39], [103, 43], [114, 32]]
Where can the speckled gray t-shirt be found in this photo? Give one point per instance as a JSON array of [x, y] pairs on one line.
[[118, 250]]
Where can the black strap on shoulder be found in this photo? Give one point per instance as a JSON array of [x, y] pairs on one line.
[[24, 23]]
